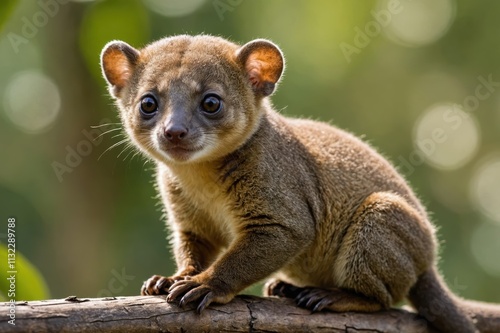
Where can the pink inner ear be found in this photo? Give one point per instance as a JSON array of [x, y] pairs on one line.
[[123, 66], [254, 75], [263, 67], [117, 68]]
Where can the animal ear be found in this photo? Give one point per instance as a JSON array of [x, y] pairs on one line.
[[263, 63], [118, 60]]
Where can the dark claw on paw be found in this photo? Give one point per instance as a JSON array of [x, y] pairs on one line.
[[314, 299], [205, 302], [283, 289], [156, 285], [178, 289]]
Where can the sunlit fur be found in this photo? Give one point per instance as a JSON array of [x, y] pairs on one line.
[[265, 194]]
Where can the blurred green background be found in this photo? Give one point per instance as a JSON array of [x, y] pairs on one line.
[[420, 80]]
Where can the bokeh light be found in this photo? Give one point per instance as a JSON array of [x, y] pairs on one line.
[[32, 101], [419, 23], [174, 7], [110, 20], [429, 52], [485, 188], [485, 247], [446, 136]]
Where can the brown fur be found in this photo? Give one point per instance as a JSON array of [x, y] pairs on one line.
[[262, 194]]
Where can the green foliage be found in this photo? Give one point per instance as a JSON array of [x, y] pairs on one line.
[[112, 20], [5, 10], [29, 283], [102, 215]]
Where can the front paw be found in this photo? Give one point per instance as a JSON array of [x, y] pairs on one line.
[[197, 289], [158, 285]]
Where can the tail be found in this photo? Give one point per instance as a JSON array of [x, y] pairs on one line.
[[435, 302], [486, 316]]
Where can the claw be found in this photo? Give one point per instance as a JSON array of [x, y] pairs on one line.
[[310, 299], [177, 289], [281, 289], [205, 302], [317, 299], [193, 291], [311, 302], [301, 296], [156, 285], [302, 301], [194, 294], [183, 302], [160, 285], [321, 305]]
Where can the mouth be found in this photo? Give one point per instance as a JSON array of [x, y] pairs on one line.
[[180, 153]]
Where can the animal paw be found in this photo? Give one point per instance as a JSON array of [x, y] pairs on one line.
[[337, 300], [159, 285], [200, 291], [281, 289], [156, 285]]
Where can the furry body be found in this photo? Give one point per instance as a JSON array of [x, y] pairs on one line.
[[252, 194]]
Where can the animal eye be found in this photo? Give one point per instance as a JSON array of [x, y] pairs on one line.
[[149, 106], [211, 104]]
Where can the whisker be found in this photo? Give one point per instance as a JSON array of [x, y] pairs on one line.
[[137, 153], [128, 146], [102, 125], [108, 131], [123, 150], [130, 152], [113, 146]]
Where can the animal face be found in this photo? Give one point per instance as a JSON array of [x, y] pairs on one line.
[[189, 99]]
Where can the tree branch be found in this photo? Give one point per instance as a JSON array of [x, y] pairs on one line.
[[154, 314]]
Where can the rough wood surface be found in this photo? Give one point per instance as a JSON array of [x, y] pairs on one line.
[[154, 314]]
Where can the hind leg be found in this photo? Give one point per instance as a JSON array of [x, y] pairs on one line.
[[386, 247], [317, 299], [281, 289]]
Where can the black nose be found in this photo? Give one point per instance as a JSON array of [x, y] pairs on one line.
[[175, 134]]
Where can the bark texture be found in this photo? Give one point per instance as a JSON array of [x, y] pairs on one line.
[[154, 314]]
